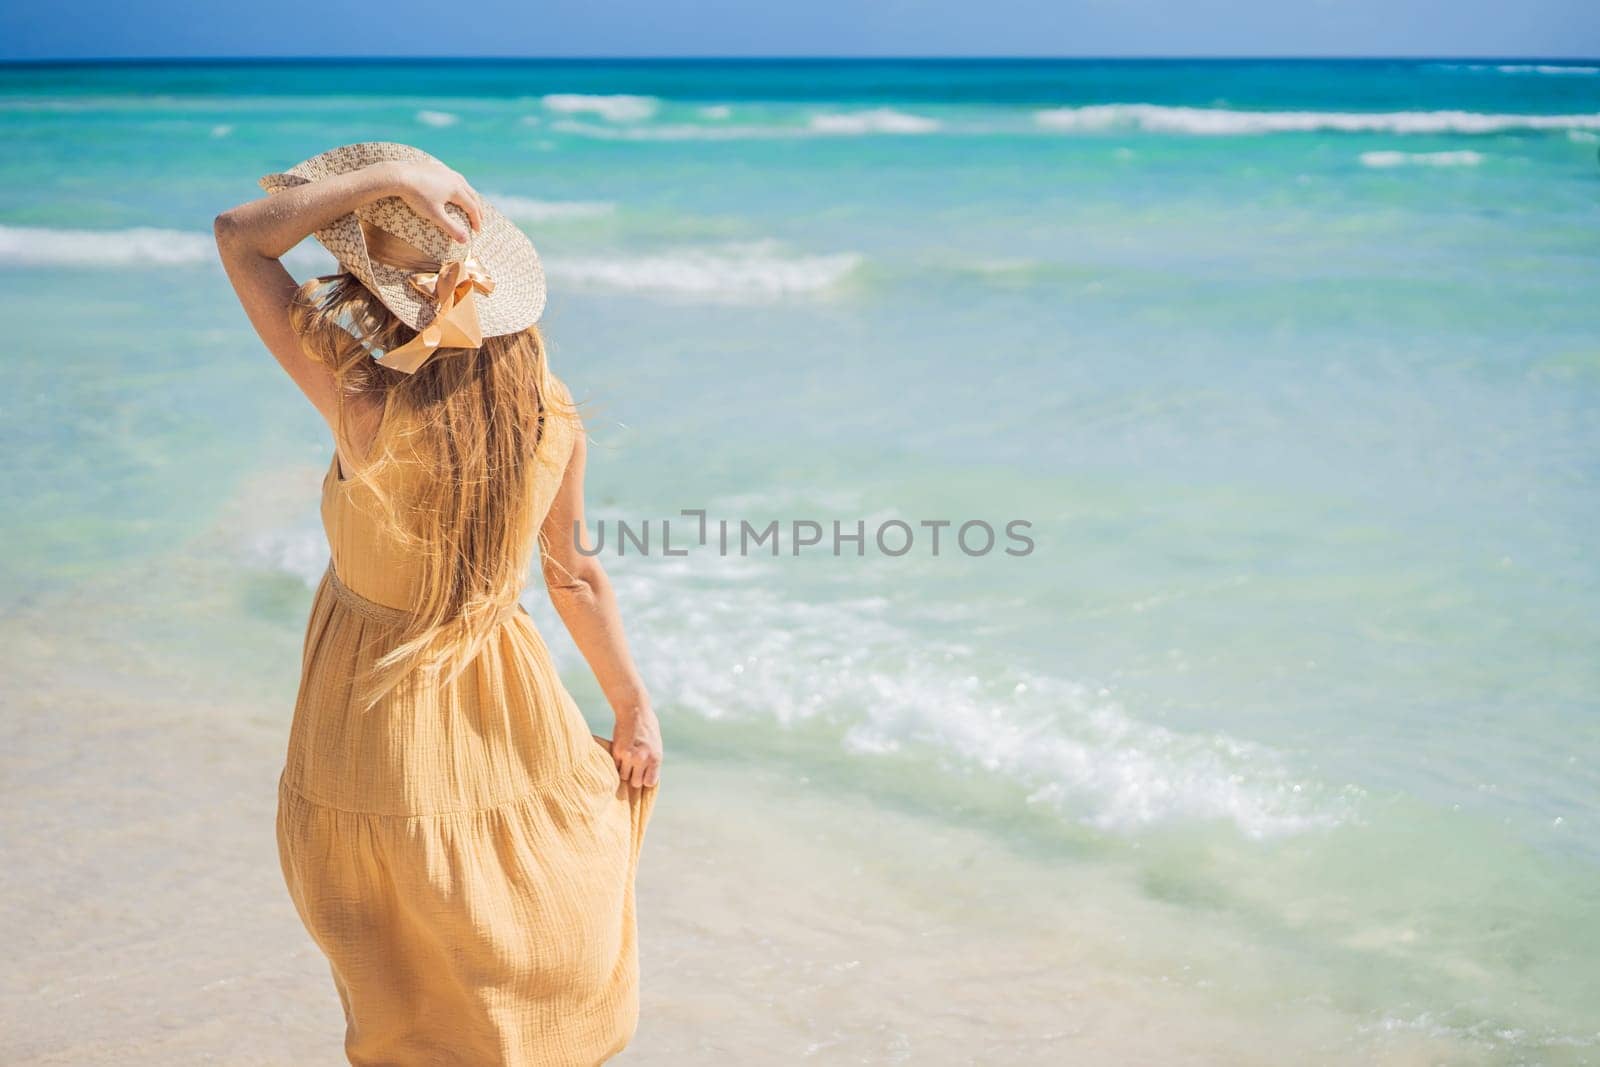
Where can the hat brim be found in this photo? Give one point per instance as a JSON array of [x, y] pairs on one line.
[[501, 249]]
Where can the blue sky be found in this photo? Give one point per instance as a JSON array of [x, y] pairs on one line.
[[42, 29]]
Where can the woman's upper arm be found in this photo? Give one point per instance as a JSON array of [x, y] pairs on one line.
[[267, 291], [564, 532]]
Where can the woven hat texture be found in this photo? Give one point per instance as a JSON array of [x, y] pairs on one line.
[[499, 247]]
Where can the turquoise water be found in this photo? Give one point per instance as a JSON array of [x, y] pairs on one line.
[[1291, 366]]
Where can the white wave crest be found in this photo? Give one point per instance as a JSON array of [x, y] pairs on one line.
[[526, 209], [676, 131], [143, 246], [858, 123], [103, 248], [616, 108], [437, 118], [300, 552], [877, 120], [733, 272], [1384, 160], [850, 669], [1556, 69], [1079, 752], [1156, 118]]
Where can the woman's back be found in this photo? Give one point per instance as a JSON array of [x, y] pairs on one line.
[[475, 797], [441, 705], [365, 517]]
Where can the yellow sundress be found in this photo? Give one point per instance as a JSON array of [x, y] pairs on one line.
[[462, 853]]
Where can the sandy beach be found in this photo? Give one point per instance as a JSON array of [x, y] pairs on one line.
[[782, 920]]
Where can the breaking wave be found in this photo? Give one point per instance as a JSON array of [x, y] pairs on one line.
[[877, 120], [1384, 160], [850, 669], [735, 272], [103, 248], [615, 107], [1157, 118]]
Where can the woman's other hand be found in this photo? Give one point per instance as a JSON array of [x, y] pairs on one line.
[[636, 747]]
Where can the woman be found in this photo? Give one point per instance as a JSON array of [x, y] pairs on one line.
[[454, 839]]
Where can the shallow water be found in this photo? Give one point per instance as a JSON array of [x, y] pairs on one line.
[[1291, 368]]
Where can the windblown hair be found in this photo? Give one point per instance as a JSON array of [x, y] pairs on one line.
[[473, 418]]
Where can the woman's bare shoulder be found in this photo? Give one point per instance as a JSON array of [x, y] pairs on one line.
[[557, 389]]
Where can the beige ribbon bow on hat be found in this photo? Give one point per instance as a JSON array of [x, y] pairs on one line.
[[448, 285]]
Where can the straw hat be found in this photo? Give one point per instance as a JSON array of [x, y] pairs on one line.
[[446, 290]]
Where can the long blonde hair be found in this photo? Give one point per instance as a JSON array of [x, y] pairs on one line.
[[473, 418]]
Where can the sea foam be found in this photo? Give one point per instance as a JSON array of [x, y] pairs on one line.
[[725, 647], [733, 272], [103, 248], [852, 669], [616, 107], [1157, 118], [826, 124], [1557, 69], [1383, 160], [1554, 69], [144, 246], [877, 120], [676, 131], [437, 118]]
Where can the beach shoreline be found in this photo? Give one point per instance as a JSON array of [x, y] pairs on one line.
[[779, 923]]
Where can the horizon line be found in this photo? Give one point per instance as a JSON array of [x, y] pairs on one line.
[[1087, 58]]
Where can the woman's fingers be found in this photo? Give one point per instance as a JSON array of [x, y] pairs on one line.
[[468, 200], [431, 187], [442, 219], [639, 771]]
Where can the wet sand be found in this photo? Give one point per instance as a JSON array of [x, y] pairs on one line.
[[780, 922]]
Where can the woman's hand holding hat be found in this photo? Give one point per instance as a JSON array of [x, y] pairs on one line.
[[427, 185]]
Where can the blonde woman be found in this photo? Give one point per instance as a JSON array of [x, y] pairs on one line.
[[456, 842]]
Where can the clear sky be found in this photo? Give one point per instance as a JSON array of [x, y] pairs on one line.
[[54, 29]]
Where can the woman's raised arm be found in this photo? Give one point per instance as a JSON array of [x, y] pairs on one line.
[[252, 237]]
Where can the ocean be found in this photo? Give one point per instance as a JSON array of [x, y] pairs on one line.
[[1280, 743]]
